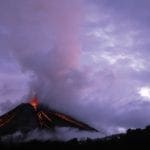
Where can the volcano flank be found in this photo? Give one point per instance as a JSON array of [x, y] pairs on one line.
[[29, 116]]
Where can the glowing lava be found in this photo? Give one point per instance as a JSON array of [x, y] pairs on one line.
[[25, 118], [34, 102]]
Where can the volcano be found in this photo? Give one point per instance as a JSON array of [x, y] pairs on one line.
[[29, 116]]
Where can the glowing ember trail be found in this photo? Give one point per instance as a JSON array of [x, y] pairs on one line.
[[43, 118], [63, 117], [6, 120]]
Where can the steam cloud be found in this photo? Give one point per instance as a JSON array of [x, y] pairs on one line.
[[49, 48]]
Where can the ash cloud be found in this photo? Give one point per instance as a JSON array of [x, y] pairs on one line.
[[44, 40], [49, 47]]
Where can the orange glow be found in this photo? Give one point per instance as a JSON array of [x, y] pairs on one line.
[[34, 102], [6, 119], [43, 118], [68, 119]]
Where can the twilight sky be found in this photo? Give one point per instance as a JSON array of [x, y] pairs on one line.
[[87, 58]]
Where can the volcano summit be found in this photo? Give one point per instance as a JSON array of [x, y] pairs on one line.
[[29, 116]]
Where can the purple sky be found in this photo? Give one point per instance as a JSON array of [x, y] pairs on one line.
[[88, 58]]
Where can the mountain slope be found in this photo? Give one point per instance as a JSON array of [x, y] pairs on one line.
[[29, 116], [22, 118]]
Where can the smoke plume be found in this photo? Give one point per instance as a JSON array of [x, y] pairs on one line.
[[45, 42]]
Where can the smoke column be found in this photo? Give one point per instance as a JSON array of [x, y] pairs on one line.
[[45, 42]]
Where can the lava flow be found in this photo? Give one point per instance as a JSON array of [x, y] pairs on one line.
[[30, 116]]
